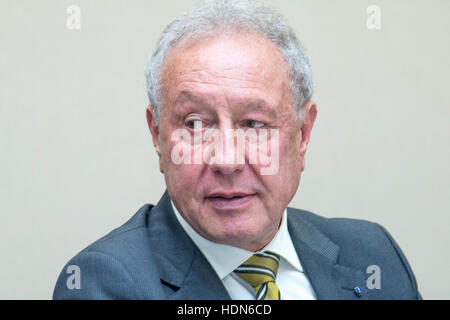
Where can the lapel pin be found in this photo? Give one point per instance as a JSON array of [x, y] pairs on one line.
[[358, 291]]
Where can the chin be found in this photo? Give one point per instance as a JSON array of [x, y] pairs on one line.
[[241, 235]]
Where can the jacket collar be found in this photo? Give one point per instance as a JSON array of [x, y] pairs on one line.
[[319, 256], [182, 265], [184, 268]]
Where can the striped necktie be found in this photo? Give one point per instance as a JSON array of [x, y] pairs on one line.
[[260, 271]]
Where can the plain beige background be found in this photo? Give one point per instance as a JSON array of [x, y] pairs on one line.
[[77, 158]]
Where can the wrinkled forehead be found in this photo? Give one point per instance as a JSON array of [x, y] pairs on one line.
[[228, 49], [231, 60]]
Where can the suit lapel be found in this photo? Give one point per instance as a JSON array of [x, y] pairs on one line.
[[182, 266], [318, 256]]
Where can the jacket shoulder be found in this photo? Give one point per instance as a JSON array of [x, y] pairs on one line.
[[340, 229], [355, 237], [118, 239], [363, 244], [116, 266]]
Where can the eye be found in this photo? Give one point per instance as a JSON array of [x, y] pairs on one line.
[[254, 124], [194, 124]]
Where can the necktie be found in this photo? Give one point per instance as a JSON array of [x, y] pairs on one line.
[[260, 271]]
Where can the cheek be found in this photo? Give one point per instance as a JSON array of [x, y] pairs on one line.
[[175, 174], [291, 148], [183, 177], [290, 162]]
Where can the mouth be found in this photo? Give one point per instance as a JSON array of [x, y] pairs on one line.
[[229, 201]]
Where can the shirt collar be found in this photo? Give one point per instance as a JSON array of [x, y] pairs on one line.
[[225, 258]]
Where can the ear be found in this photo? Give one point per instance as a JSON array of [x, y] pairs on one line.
[[309, 116], [154, 130]]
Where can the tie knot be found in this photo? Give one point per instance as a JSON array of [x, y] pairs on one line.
[[259, 269]]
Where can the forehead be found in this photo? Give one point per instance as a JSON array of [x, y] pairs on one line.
[[238, 64]]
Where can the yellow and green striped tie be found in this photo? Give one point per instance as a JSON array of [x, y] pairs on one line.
[[260, 271]]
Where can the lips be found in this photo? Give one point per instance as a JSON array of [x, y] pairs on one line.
[[233, 200]]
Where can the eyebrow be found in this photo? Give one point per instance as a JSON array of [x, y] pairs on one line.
[[256, 105], [259, 105]]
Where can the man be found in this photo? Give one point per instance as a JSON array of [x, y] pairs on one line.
[[231, 117]]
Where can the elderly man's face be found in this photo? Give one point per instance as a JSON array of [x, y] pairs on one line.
[[225, 83]]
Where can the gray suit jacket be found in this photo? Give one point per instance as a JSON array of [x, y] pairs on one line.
[[152, 257]]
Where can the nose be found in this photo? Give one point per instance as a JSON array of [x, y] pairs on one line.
[[227, 156]]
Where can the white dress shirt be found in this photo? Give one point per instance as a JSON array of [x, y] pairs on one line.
[[225, 259]]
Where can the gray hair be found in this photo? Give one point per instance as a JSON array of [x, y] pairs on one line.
[[215, 16]]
